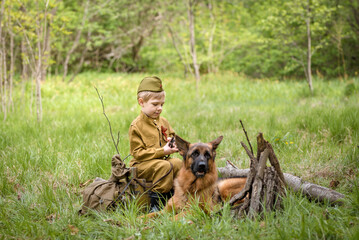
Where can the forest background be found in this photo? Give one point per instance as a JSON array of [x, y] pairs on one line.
[[286, 68], [274, 39]]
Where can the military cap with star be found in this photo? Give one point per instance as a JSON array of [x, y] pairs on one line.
[[152, 84]]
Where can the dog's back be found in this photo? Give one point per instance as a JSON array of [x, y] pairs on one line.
[[228, 187]]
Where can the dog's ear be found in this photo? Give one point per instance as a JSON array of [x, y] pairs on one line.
[[182, 146], [216, 142]]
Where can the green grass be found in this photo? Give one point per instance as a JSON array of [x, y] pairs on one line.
[[43, 164]]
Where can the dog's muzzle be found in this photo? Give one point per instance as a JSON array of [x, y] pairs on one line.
[[200, 169]]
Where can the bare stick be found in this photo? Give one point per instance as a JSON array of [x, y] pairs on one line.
[[245, 132], [109, 123], [229, 162], [250, 154], [248, 186]]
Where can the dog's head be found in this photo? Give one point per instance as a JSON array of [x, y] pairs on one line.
[[198, 156]]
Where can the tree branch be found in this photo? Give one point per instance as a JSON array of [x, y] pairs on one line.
[[109, 123], [245, 133]]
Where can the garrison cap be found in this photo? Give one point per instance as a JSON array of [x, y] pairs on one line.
[[152, 84]]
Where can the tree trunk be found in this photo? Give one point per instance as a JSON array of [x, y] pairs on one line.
[[12, 69], [5, 79], [76, 41], [2, 61], [1, 76], [25, 68], [191, 4], [79, 67], [136, 49], [210, 66], [338, 36], [178, 51], [39, 33], [309, 50], [97, 59], [47, 50]]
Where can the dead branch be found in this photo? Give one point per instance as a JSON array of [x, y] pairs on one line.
[[245, 133], [239, 196], [250, 154], [109, 123], [232, 164]]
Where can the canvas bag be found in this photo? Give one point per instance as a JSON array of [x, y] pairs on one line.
[[122, 186], [105, 194]]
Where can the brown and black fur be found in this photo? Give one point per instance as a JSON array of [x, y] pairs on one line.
[[197, 180]]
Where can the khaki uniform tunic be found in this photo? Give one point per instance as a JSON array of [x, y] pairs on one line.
[[148, 136]]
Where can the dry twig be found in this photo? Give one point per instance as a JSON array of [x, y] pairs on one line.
[[109, 123], [245, 133]]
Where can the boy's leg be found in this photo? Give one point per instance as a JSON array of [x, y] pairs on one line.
[[153, 171], [177, 165]]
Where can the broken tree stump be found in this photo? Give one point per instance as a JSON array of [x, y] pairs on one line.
[[265, 185]]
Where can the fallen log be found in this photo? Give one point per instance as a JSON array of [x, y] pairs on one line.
[[310, 190]]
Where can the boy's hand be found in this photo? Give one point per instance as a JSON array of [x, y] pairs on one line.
[[170, 147], [171, 142]]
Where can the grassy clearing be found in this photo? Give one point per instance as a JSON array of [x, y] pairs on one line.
[[42, 165]]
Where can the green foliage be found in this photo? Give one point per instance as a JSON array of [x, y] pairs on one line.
[[256, 38], [43, 164]]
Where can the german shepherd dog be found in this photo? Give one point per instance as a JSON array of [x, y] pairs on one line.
[[197, 180]]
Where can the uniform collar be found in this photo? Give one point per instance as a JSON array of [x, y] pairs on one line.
[[148, 119]]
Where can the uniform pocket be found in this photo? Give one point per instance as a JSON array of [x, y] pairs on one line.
[[149, 142]]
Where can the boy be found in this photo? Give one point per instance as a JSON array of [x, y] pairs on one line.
[[149, 142]]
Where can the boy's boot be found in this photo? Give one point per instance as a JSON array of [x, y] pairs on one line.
[[155, 199], [169, 194], [158, 200]]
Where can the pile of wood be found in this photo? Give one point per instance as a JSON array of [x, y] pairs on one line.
[[265, 185]]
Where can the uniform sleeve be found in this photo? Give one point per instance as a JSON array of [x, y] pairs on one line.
[[139, 150]]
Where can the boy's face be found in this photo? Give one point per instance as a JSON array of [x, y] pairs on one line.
[[153, 107]]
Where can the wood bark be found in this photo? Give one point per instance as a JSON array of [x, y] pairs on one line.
[[297, 184], [255, 202], [264, 188]]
